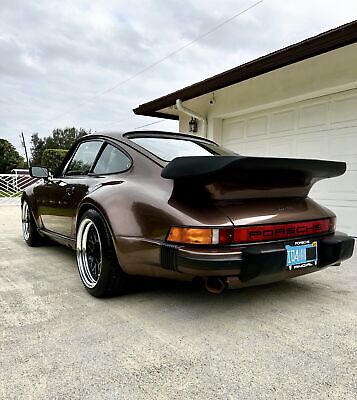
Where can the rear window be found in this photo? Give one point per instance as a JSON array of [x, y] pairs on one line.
[[169, 148]]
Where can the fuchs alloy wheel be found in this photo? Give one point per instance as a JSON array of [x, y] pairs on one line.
[[97, 262], [89, 253], [29, 228]]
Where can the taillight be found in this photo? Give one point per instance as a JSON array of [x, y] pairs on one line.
[[251, 233]]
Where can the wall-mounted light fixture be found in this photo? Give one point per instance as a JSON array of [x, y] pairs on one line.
[[193, 126]]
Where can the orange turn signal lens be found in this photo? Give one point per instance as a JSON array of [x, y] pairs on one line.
[[191, 235]]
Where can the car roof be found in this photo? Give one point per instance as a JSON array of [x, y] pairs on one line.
[[124, 136]]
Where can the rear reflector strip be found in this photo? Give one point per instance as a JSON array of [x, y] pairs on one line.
[[249, 234], [259, 233]]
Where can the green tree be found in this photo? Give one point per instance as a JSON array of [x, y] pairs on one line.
[[9, 157], [59, 139], [52, 158], [38, 145]]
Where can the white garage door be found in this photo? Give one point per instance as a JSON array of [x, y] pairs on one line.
[[324, 127]]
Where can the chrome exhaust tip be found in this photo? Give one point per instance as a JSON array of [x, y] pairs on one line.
[[214, 285]]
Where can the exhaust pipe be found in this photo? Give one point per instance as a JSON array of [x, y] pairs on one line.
[[214, 285]]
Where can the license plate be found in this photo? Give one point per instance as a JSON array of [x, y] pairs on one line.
[[301, 254]]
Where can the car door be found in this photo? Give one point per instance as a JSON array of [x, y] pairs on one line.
[[59, 197], [111, 161]]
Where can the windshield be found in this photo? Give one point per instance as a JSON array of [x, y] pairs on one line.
[[169, 148]]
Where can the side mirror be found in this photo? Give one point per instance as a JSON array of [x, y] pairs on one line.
[[39, 172]]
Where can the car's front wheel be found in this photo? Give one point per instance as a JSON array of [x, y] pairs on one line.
[[96, 257]]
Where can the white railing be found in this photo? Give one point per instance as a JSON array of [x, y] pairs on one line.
[[12, 186]]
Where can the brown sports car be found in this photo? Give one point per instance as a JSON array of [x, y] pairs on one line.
[[182, 207]]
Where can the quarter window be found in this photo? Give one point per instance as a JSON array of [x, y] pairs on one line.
[[83, 158], [111, 160]]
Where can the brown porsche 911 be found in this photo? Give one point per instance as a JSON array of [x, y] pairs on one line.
[[182, 207]]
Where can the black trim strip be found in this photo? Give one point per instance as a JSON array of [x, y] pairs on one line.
[[58, 237]]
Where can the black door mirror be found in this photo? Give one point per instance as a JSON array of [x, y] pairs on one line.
[[39, 172]]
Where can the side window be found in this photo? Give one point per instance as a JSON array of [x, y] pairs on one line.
[[111, 160], [83, 158]]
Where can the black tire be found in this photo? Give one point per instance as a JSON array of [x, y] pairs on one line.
[[29, 228], [98, 265]]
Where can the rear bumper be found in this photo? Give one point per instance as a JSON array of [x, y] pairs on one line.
[[254, 261]]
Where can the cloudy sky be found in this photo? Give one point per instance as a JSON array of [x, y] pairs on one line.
[[62, 62]]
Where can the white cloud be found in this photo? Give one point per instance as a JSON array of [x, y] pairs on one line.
[[56, 54]]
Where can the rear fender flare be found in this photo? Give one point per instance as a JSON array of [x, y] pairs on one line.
[[88, 204]]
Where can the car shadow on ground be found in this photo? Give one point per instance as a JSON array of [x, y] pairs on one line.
[[192, 298], [166, 301], [155, 285], [189, 293]]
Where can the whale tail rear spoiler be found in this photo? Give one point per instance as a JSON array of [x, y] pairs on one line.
[[228, 177]]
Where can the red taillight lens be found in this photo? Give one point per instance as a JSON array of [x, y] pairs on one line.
[[259, 233], [225, 235]]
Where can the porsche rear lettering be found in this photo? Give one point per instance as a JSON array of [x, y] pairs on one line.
[[270, 233]]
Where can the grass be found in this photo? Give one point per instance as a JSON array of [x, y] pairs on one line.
[[10, 195]]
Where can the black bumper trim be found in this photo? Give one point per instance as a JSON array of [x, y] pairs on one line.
[[168, 256], [211, 265], [336, 248], [258, 260]]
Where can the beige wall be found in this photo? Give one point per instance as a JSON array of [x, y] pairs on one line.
[[329, 73]]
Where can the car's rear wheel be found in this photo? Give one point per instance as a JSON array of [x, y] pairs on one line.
[[97, 262], [29, 228]]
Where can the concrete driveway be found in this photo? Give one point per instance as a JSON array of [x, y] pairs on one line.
[[291, 340]]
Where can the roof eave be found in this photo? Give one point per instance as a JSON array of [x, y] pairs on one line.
[[327, 41], [157, 114]]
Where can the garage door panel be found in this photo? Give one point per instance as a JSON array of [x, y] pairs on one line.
[[312, 116], [257, 126], [282, 147], [342, 145], [233, 131], [282, 121], [344, 110], [323, 128], [308, 146], [257, 148]]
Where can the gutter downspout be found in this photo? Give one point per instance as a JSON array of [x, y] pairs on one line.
[[193, 114]]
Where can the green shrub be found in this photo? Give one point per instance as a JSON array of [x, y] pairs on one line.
[[52, 158]]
